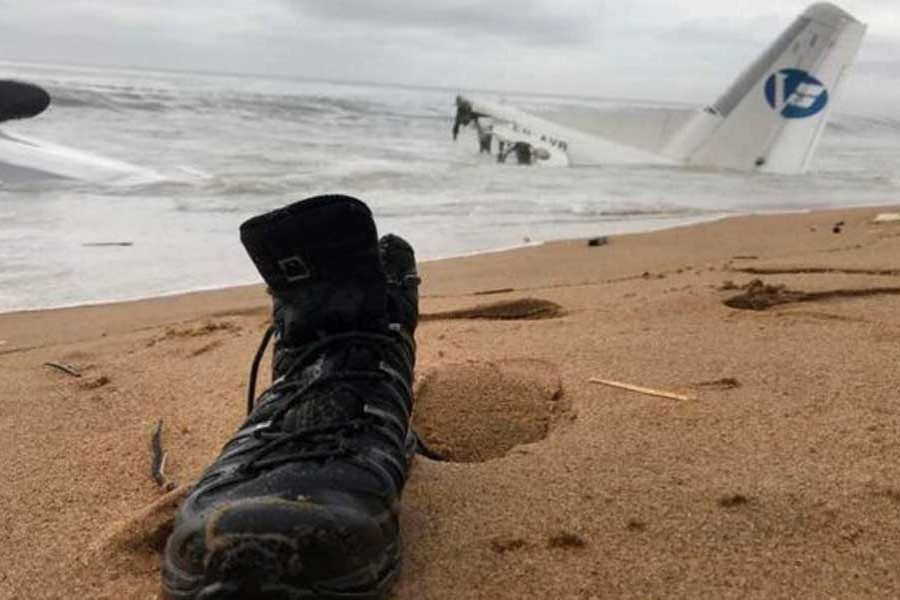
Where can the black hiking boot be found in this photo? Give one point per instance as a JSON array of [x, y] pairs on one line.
[[303, 502]]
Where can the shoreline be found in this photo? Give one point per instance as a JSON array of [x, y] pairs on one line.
[[682, 222], [247, 296], [776, 475]]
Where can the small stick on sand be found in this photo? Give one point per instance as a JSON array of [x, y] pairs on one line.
[[497, 291], [67, 369], [158, 459], [640, 390]]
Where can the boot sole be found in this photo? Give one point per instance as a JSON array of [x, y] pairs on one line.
[[253, 569]]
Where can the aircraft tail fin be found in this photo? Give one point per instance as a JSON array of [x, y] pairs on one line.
[[772, 116]]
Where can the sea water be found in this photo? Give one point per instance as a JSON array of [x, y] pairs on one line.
[[235, 146]]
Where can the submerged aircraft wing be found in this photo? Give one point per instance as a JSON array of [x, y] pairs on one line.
[[24, 159], [770, 119]]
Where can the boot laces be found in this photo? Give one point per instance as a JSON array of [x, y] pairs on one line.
[[327, 440]]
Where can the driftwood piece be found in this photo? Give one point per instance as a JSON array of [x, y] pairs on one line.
[[67, 369], [639, 389], [158, 460]]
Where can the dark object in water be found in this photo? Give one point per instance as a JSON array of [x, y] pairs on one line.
[[20, 100], [464, 115], [484, 141], [598, 241], [523, 153], [105, 244]]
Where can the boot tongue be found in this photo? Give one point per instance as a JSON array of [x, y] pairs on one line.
[[320, 260]]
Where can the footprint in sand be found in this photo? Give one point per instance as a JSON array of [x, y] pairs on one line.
[[479, 410], [194, 331]]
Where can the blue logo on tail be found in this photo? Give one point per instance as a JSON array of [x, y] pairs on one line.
[[795, 94]]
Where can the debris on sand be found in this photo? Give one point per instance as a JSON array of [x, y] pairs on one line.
[[95, 383], [723, 383], [158, 460], [564, 539], [733, 500], [635, 525], [598, 241], [760, 296], [728, 285], [494, 291], [64, 368], [525, 309], [639, 389], [887, 218], [502, 546]]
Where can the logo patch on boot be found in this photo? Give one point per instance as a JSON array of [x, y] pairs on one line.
[[294, 269]]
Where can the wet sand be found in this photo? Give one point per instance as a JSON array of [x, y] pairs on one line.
[[779, 476]]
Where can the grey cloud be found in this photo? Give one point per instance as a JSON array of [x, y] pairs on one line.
[[722, 32], [885, 69], [676, 49], [526, 21]]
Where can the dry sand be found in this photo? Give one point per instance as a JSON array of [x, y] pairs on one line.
[[779, 478]]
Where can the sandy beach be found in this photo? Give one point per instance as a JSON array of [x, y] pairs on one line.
[[777, 475]]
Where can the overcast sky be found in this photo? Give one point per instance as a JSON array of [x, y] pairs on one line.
[[686, 50]]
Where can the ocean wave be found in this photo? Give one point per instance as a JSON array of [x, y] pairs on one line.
[[626, 213], [250, 104], [858, 125]]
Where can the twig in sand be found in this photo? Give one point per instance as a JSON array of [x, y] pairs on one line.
[[496, 291], [158, 459], [67, 369], [640, 390]]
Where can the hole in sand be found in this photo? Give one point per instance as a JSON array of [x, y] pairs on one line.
[[476, 411], [523, 308]]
